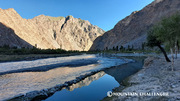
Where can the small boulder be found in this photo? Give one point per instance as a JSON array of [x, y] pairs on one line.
[[148, 61]]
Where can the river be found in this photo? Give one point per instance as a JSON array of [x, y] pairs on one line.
[[20, 78], [95, 87]]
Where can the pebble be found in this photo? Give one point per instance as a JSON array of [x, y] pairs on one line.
[[173, 86], [74, 81], [178, 98], [140, 75], [45, 90], [32, 94], [65, 84]]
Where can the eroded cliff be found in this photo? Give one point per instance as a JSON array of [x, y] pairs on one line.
[[45, 32]]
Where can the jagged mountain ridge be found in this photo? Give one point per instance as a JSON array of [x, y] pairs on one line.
[[132, 30], [45, 32]]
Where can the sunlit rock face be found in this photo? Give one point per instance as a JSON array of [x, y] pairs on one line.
[[45, 32], [132, 30]]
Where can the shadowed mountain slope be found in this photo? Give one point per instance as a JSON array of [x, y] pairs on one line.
[[132, 30]]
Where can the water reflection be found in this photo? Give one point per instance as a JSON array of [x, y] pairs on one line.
[[125, 70], [21, 83], [95, 87], [92, 88], [87, 81]]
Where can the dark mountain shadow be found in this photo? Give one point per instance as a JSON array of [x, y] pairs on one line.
[[9, 37], [97, 43]]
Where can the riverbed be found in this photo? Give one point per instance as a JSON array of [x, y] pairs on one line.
[[20, 78], [95, 87]]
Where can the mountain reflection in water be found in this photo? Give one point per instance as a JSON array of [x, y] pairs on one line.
[[95, 87], [92, 88], [87, 81]]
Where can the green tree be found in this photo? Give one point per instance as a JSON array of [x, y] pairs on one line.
[[170, 32], [117, 48], [142, 46], [152, 40], [167, 32], [107, 48], [132, 47], [114, 48], [129, 48], [121, 48]]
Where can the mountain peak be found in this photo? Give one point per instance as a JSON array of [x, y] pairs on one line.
[[9, 9], [47, 32], [70, 16]]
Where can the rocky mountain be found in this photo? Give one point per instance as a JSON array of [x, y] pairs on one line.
[[132, 30], [45, 32]]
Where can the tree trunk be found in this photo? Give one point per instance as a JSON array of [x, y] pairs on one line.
[[178, 47], [172, 58], [164, 52], [176, 50]]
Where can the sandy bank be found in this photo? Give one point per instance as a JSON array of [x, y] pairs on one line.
[[155, 82]]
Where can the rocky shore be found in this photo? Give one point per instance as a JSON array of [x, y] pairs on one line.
[[155, 82]]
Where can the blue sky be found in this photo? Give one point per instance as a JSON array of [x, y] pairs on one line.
[[103, 13]]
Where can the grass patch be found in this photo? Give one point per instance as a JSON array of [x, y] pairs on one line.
[[128, 51], [15, 54]]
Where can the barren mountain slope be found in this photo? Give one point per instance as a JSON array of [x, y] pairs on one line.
[[50, 32], [132, 30]]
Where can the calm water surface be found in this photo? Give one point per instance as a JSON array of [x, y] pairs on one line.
[[95, 87], [93, 92]]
